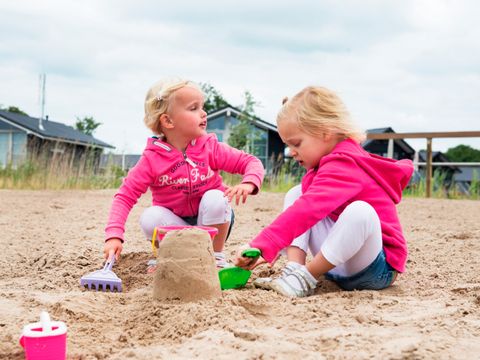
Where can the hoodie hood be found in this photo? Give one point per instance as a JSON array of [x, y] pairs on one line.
[[160, 146], [392, 175]]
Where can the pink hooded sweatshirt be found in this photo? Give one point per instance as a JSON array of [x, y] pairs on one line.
[[345, 175], [178, 180]]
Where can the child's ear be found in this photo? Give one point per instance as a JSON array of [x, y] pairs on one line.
[[165, 121], [327, 136]]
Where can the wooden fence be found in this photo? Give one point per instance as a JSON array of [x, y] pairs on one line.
[[429, 136]]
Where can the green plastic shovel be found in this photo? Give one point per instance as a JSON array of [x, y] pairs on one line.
[[235, 277]]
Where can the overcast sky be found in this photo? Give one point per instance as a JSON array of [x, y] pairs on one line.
[[413, 65]]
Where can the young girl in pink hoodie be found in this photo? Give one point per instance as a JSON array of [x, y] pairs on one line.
[[180, 165], [344, 211]]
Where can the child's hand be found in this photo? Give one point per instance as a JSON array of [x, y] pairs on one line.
[[112, 247], [239, 191], [251, 263], [246, 262]]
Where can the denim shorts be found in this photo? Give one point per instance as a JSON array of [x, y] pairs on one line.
[[376, 276]]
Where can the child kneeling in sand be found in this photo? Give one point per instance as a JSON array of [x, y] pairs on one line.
[[181, 167], [344, 210]]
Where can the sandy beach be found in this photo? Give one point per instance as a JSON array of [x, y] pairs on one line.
[[49, 239]]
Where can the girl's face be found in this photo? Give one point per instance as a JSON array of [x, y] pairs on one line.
[[307, 149], [186, 116]]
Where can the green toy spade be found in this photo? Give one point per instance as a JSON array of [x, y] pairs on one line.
[[235, 277]]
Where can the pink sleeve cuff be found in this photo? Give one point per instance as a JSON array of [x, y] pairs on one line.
[[269, 253], [114, 233], [253, 180]]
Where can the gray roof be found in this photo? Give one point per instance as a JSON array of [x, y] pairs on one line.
[[257, 121], [51, 130], [437, 156], [400, 142], [468, 173]]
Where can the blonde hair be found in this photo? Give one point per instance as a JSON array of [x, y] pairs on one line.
[[159, 98], [318, 111]]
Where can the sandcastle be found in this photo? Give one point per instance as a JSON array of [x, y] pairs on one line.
[[186, 268]]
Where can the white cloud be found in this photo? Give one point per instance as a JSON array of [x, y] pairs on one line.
[[411, 65]]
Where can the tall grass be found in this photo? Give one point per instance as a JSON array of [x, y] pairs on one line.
[[34, 177], [474, 188], [282, 178], [439, 187], [270, 183], [66, 172], [442, 188]]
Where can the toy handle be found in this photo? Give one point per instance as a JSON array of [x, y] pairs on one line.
[[46, 323], [154, 238], [109, 264], [251, 253]]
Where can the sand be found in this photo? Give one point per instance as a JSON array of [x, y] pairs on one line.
[[49, 239]]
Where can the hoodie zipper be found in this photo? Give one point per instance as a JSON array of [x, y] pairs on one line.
[[192, 164]]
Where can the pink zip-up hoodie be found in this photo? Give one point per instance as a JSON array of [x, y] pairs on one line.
[[347, 174], [178, 180]]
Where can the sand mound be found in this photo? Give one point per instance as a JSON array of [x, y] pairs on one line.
[[186, 267]]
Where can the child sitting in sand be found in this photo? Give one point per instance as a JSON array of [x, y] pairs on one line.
[[344, 210], [181, 167]]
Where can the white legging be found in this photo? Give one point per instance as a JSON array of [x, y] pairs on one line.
[[214, 209], [351, 243]]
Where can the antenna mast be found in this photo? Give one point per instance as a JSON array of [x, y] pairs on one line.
[[42, 80]]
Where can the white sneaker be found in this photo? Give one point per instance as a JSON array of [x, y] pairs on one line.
[[151, 266], [266, 282], [220, 260], [299, 283]]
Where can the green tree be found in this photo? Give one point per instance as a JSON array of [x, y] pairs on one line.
[[213, 99], [463, 153], [87, 125], [14, 109], [243, 134]]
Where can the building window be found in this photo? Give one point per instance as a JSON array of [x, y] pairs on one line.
[[19, 148], [13, 148], [4, 148], [216, 124], [257, 144], [219, 134]]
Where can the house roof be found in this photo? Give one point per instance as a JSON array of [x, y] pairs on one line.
[[468, 173], [51, 130], [237, 112], [400, 142], [437, 156]]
